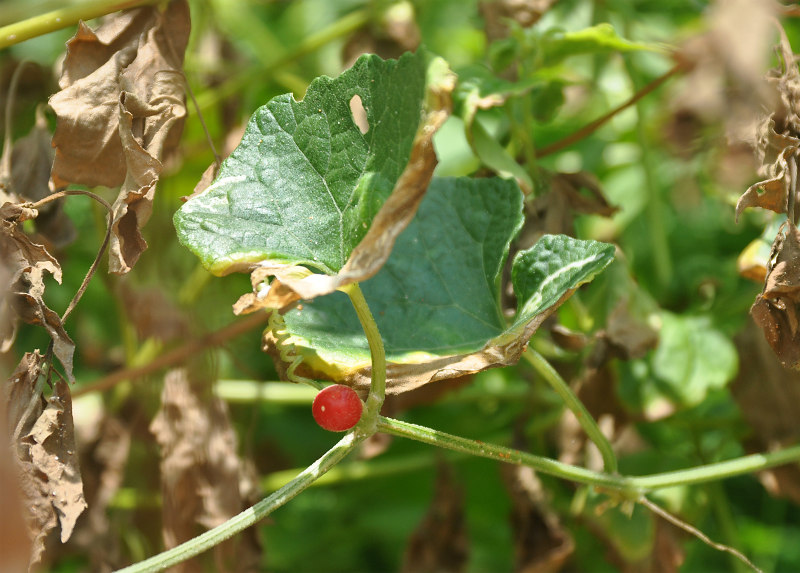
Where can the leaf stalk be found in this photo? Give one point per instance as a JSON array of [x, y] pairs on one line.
[[585, 419]]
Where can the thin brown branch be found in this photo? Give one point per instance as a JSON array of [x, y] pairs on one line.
[[100, 252], [177, 355], [590, 128], [5, 160], [664, 514]]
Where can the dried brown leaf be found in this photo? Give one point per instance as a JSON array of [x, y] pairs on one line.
[[776, 309], [25, 264], [201, 475], [541, 543], [498, 13], [45, 455], [15, 546], [554, 211], [152, 314], [121, 111], [29, 178], [104, 458], [439, 543], [774, 150], [768, 395]]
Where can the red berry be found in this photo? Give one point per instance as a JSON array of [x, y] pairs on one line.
[[337, 408]]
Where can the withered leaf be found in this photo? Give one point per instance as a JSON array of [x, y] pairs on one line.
[[771, 193], [768, 396], [201, 475], [31, 161], [24, 265], [541, 543], [104, 456], [15, 546], [121, 111], [568, 194], [439, 543], [777, 139], [45, 455], [776, 309]]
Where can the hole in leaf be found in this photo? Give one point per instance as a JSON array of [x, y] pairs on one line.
[[359, 114]]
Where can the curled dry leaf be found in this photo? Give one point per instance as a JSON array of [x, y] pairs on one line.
[[24, 265], [776, 310], [45, 454], [554, 211], [120, 111], [777, 141], [201, 475], [31, 161], [768, 396]]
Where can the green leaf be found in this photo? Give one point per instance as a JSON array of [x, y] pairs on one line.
[[692, 358], [305, 185], [437, 299], [599, 39]]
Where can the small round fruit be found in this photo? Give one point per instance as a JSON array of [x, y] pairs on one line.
[[337, 408]]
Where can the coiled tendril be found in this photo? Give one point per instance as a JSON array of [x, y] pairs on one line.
[[287, 351]]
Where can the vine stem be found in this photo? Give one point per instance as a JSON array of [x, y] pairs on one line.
[[630, 486], [377, 391], [304, 479], [250, 516], [585, 419], [62, 18]]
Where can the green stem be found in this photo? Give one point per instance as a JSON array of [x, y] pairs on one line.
[[250, 516], [572, 402], [62, 18], [377, 392], [501, 453], [635, 485]]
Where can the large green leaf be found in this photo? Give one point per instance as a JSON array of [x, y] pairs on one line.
[[437, 298], [305, 185]]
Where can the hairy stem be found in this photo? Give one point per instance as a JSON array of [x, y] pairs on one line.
[[250, 516], [62, 18], [572, 402]]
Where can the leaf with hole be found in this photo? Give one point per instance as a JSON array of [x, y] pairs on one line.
[[307, 187]]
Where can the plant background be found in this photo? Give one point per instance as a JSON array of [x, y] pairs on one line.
[[709, 391]]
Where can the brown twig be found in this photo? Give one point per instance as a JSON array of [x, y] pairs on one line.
[[590, 128], [177, 355], [100, 252], [5, 160], [664, 514]]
